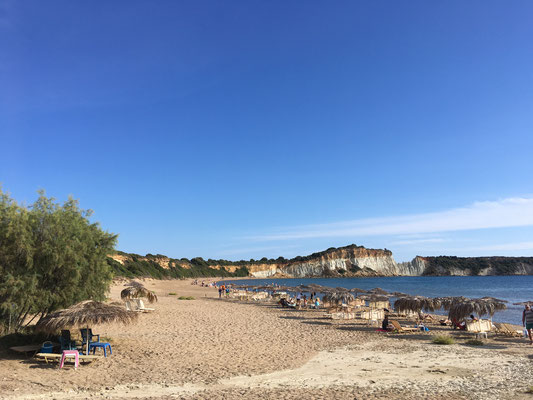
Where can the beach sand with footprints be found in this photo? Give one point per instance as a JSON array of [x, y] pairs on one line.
[[209, 348]]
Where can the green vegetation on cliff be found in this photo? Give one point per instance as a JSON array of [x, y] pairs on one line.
[[447, 265], [138, 266]]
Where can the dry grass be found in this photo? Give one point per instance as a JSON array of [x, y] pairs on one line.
[[443, 339]]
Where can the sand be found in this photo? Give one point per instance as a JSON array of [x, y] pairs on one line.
[[223, 349]]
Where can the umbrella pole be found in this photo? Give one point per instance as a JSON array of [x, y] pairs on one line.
[[87, 338]]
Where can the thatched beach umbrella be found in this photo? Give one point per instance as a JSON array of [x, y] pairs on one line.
[[461, 310], [448, 302], [523, 303], [83, 314], [417, 304], [340, 297], [378, 291], [399, 294], [135, 289], [373, 297], [358, 290], [315, 287]]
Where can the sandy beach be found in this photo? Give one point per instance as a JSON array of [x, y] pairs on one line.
[[209, 348]]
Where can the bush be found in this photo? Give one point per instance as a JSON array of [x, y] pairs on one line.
[[474, 342], [51, 256], [185, 298], [172, 294], [443, 339], [24, 337]]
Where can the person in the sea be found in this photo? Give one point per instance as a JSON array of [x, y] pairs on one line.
[[527, 321]]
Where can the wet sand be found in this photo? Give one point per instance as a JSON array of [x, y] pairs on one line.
[[223, 349]]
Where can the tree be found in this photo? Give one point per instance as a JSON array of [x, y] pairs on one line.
[[51, 256]]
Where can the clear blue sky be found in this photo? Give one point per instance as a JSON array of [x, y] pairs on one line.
[[243, 129]]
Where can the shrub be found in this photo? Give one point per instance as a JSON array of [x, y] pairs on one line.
[[185, 298], [51, 256], [172, 294], [474, 342], [443, 339], [529, 390]]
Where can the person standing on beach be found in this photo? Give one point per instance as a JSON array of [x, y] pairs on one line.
[[527, 321]]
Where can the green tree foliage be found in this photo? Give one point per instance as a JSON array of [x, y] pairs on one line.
[[51, 256], [445, 265], [148, 267]]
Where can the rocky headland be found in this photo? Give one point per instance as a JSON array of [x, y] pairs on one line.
[[348, 261]]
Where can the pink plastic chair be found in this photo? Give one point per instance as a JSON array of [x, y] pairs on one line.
[[69, 353]]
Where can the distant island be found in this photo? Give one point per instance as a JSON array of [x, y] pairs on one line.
[[348, 261]]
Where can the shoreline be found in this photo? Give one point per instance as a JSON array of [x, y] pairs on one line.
[[209, 348]]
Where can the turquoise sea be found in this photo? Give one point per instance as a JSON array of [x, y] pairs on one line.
[[514, 289]]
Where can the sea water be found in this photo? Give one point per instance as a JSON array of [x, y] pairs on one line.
[[513, 288]]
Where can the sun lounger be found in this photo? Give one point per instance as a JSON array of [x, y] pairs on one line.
[[514, 331], [131, 307], [507, 329], [141, 307], [30, 348], [402, 329], [52, 357], [479, 327], [341, 315]]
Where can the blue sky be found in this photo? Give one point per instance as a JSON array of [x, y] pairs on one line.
[[244, 129]]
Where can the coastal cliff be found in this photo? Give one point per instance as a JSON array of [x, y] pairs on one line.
[[348, 261]]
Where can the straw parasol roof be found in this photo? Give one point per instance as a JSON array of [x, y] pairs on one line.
[[316, 288], [135, 289], [358, 290], [523, 303], [417, 304], [448, 302], [461, 310], [373, 297], [88, 312], [399, 294], [339, 297], [378, 291], [341, 289]]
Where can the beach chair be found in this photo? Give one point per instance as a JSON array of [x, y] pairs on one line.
[[141, 307], [512, 331], [506, 329], [66, 342], [131, 307], [479, 327], [402, 329], [87, 335]]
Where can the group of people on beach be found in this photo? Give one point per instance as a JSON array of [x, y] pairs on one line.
[[203, 283], [301, 301]]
